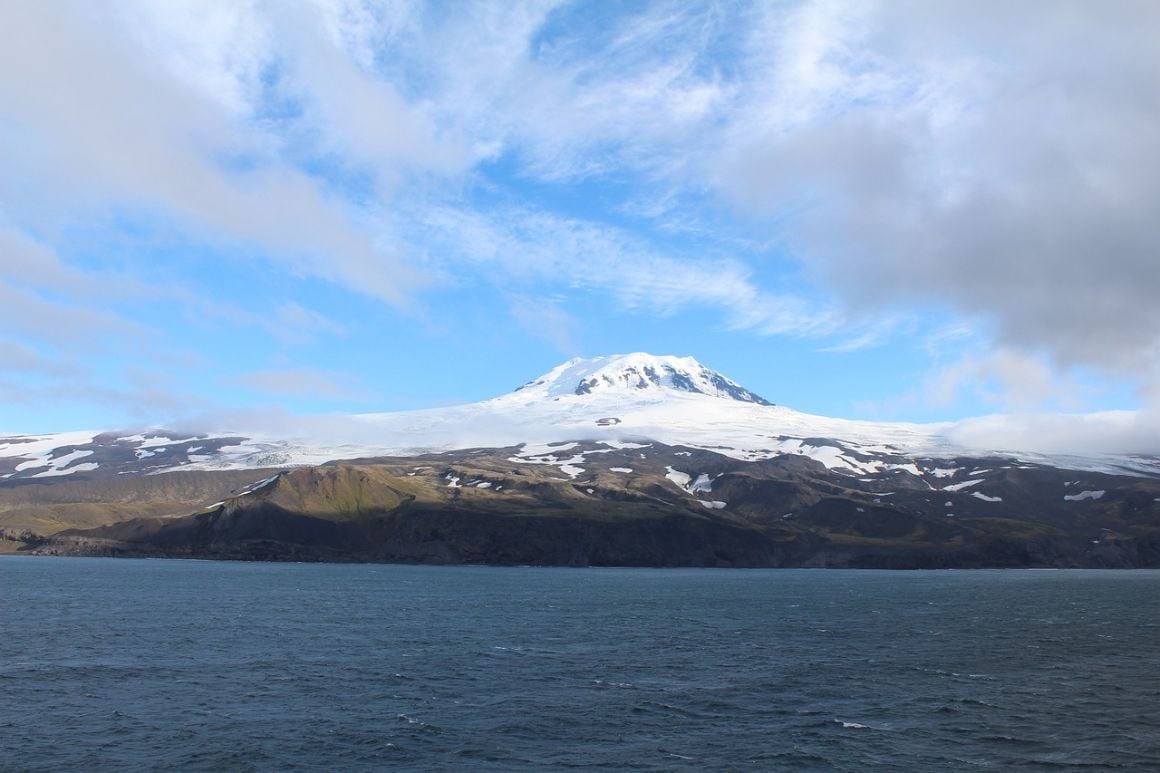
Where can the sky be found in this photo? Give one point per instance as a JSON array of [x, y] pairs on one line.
[[910, 211]]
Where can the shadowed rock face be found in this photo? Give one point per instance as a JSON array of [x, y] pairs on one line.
[[649, 506]]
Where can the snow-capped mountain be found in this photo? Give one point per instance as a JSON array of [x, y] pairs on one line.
[[628, 375], [626, 460], [614, 401]]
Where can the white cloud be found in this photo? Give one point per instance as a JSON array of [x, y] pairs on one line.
[[360, 116], [1007, 378], [1108, 432], [91, 126], [925, 154], [302, 382], [188, 137], [217, 48]]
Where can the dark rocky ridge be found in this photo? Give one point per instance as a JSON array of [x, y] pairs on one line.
[[490, 506]]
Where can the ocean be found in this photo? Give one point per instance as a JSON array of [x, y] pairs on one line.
[[129, 665]]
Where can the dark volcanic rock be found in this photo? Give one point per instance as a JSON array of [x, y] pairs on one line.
[[486, 506], [448, 536]]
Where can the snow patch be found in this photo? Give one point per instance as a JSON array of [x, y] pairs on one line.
[[58, 465], [621, 445], [1084, 495], [703, 483], [255, 487], [58, 462], [831, 457], [544, 449], [56, 471], [152, 441]]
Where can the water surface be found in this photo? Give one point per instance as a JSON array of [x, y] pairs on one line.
[[139, 665]]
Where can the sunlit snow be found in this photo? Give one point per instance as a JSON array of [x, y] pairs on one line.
[[703, 483], [1083, 495], [547, 419], [57, 471]]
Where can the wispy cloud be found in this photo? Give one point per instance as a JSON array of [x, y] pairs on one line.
[[547, 320], [534, 246], [136, 397], [836, 171], [93, 127], [303, 382], [20, 358]]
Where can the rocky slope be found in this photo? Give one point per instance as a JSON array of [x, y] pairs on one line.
[[656, 505], [632, 460]]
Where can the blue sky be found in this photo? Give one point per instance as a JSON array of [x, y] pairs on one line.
[[906, 211]]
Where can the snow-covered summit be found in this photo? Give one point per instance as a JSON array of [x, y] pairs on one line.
[[618, 401], [636, 374]]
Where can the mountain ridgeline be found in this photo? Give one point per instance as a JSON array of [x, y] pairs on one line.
[[643, 372], [633, 460]]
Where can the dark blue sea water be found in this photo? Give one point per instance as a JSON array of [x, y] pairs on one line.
[[147, 665]]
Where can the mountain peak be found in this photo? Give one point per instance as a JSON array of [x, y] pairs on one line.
[[638, 373]]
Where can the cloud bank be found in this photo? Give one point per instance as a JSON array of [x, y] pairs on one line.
[[1002, 159]]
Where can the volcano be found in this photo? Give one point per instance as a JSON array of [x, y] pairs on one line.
[[631, 459]]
